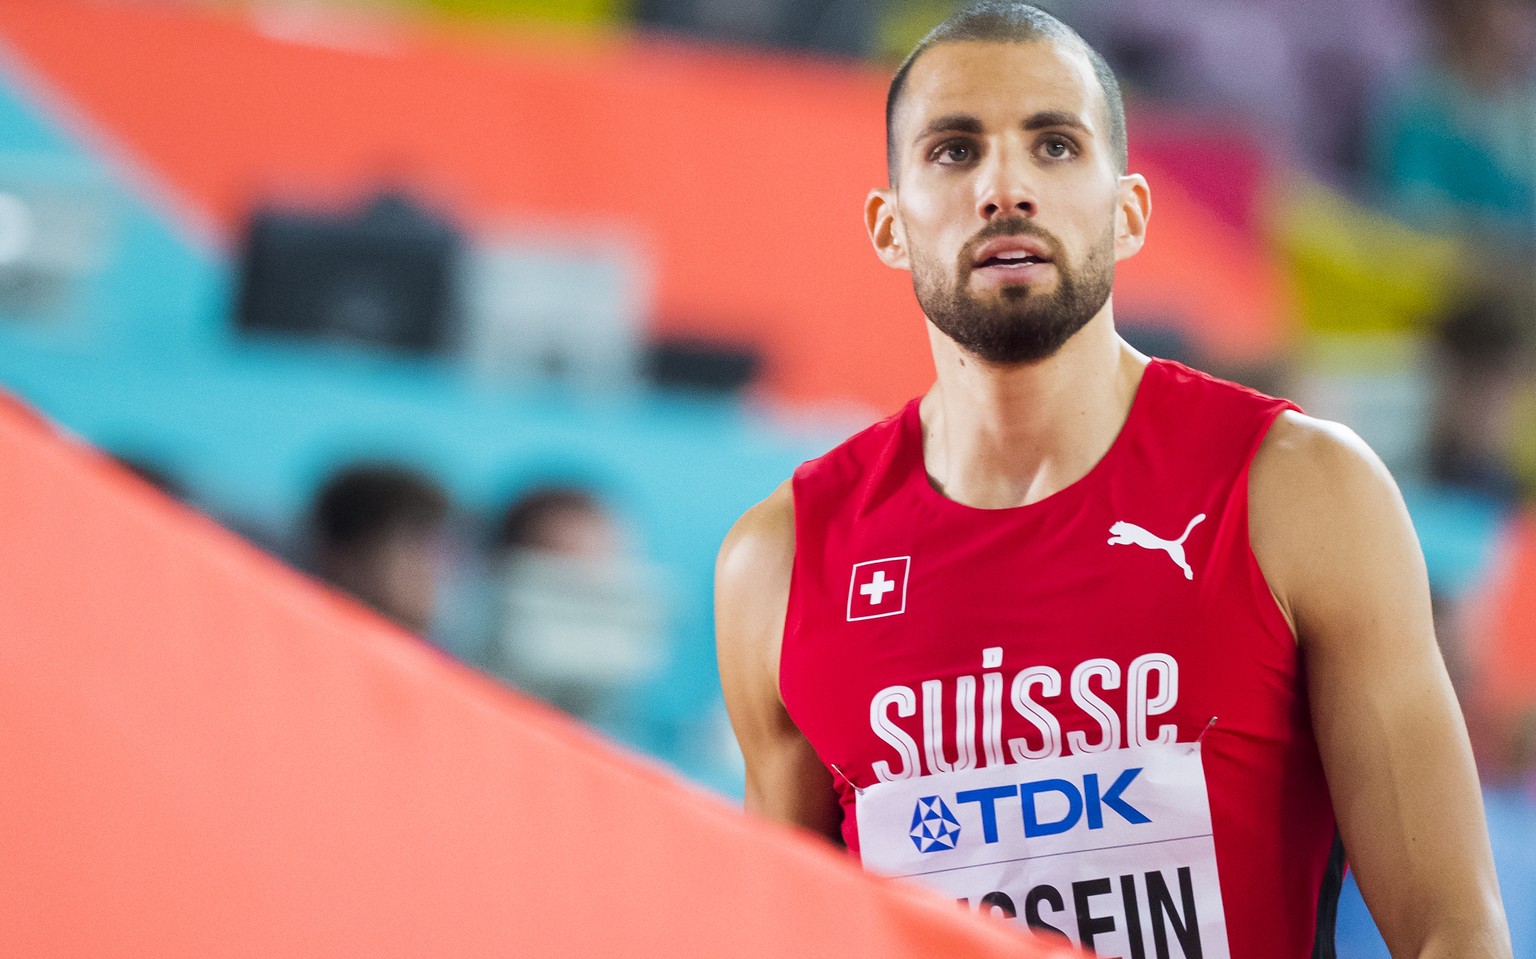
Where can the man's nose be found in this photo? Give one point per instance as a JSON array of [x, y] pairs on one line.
[[1006, 188]]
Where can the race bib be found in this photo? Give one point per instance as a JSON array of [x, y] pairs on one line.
[[1112, 850]]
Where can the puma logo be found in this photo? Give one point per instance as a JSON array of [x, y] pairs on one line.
[[1123, 533]]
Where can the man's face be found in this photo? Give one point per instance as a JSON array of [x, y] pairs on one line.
[[1007, 201], [398, 575]]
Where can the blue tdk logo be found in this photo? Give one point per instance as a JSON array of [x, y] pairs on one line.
[[1087, 803], [934, 827]]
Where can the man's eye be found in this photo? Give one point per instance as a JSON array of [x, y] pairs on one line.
[[953, 153], [1059, 148]]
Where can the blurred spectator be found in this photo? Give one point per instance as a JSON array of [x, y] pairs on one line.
[[577, 619], [560, 521], [1481, 348], [1452, 145], [377, 532]]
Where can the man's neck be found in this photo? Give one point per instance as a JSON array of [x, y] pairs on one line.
[[1001, 436]]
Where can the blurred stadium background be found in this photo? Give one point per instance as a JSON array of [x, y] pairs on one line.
[[496, 313]]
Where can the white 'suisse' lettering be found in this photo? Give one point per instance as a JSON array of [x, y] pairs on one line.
[[949, 746]]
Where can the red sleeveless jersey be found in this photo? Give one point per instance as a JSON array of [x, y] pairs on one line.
[[1087, 713]]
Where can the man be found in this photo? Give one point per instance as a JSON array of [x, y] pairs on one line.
[[1082, 638], [576, 618], [377, 532]]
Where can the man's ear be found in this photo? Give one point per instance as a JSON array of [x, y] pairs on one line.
[[885, 232], [1133, 211]]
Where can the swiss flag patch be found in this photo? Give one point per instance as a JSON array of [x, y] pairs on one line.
[[878, 588]]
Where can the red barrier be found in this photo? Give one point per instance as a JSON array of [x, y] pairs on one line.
[[745, 174], [1502, 653], [203, 754]]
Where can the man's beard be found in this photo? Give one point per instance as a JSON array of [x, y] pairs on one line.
[[1017, 324]]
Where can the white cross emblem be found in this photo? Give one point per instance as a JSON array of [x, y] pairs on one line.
[[878, 588]]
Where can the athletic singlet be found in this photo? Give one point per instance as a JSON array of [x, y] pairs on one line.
[[1086, 713]]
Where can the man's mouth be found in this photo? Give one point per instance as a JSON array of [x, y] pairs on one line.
[[1011, 260], [1007, 255]]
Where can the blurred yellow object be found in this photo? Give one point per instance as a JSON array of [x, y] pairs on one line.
[[1521, 449], [559, 11], [905, 23], [1357, 271]]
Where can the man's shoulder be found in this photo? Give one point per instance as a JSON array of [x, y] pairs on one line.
[[1191, 384], [1318, 495], [759, 551], [767, 523], [1302, 452], [1199, 420], [760, 547], [752, 576], [857, 455], [1307, 468]]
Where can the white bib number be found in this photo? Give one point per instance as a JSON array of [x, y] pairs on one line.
[[1112, 850]]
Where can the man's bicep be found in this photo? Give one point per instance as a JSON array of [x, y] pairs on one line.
[[784, 778], [786, 782], [1334, 535]]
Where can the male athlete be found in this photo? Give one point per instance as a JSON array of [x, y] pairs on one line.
[[1086, 639]]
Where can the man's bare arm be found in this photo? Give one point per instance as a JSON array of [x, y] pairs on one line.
[[1336, 545], [785, 780]]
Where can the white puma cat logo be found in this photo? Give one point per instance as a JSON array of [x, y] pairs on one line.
[[1123, 533]]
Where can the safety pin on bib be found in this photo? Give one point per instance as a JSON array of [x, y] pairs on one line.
[[845, 778], [1202, 735]]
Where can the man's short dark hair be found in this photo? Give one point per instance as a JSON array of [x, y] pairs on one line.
[[522, 525], [362, 504], [1002, 21]]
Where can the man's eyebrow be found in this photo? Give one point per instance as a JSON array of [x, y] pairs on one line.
[[1055, 118], [951, 123], [965, 123]]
